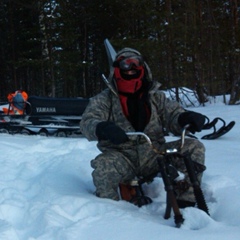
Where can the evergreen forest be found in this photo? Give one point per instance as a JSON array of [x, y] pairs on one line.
[[55, 48]]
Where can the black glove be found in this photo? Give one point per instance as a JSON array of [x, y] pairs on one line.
[[196, 121], [110, 131]]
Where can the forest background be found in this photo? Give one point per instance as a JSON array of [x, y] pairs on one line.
[[55, 48]]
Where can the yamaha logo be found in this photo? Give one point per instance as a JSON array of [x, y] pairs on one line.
[[46, 109]]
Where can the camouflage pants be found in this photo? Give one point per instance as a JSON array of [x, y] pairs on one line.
[[113, 167]]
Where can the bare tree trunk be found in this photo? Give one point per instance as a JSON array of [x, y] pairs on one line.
[[235, 86], [12, 37], [84, 60], [169, 43], [53, 84], [47, 55], [197, 61]]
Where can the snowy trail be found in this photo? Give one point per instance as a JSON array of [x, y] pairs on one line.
[[46, 192]]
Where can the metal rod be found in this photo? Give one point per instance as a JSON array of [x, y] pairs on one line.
[[183, 135], [140, 134]]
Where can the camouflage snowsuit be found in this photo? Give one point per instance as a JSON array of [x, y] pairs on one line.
[[121, 163]]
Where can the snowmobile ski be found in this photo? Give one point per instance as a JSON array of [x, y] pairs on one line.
[[220, 132]]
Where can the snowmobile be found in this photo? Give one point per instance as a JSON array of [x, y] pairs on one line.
[[42, 115]]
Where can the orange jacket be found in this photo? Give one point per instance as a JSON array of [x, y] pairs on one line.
[[17, 103]]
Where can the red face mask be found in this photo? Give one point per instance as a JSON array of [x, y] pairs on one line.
[[129, 83]]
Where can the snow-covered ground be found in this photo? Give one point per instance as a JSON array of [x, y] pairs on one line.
[[46, 192]]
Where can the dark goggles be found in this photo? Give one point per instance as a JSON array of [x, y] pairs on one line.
[[128, 63]]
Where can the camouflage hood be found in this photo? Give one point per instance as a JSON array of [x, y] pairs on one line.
[[125, 52]]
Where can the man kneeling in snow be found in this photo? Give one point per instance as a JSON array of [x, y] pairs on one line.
[[135, 103]]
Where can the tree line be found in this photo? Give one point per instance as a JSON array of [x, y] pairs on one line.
[[55, 48]]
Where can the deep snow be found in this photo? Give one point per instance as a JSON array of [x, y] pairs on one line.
[[46, 192]]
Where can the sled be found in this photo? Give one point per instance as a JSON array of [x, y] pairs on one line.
[[169, 174]]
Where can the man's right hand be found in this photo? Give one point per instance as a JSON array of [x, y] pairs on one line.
[[110, 131]]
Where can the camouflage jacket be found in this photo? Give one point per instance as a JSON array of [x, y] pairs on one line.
[[106, 107]]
